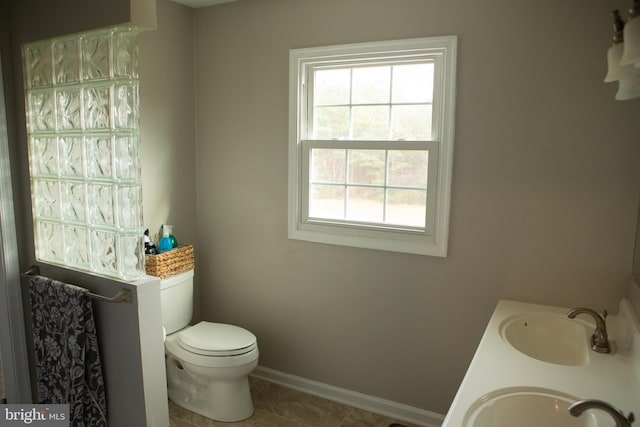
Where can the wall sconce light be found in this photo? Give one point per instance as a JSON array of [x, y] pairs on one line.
[[623, 58], [631, 55]]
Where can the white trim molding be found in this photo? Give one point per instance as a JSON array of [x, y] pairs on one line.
[[13, 341], [397, 411]]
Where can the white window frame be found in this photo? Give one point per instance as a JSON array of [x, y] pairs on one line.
[[433, 239]]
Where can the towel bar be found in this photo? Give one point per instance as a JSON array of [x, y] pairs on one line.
[[121, 296]]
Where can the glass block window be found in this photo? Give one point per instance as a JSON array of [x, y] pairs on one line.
[[84, 151]]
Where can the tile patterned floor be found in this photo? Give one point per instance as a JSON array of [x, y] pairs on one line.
[[277, 406]]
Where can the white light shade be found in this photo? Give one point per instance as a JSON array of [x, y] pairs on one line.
[[631, 53], [628, 88], [616, 71]]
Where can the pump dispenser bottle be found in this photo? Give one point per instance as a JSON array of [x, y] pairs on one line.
[[165, 242], [174, 242]]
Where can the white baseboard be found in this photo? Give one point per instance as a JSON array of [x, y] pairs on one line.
[[390, 409]]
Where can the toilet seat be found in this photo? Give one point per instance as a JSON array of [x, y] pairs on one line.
[[216, 339]]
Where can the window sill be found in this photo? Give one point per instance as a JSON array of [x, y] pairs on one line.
[[392, 241]]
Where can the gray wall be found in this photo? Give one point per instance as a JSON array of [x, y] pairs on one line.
[[167, 122], [545, 189], [42, 19], [636, 254]]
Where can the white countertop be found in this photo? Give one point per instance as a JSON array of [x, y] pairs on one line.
[[613, 378]]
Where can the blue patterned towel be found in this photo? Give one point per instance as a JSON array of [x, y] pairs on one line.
[[68, 367]]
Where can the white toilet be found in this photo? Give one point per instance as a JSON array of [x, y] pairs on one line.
[[207, 364]]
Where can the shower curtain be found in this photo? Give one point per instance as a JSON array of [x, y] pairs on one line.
[[67, 357]]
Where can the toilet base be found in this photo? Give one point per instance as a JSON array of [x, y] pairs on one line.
[[225, 399], [225, 402]]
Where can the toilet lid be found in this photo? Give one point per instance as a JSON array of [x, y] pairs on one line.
[[216, 339]]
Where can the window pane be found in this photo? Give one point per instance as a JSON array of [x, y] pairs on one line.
[[411, 122], [406, 207], [413, 83], [365, 204], [386, 108], [45, 156], [46, 199], [366, 167], [332, 87], [370, 122], [326, 201], [408, 168], [327, 165], [331, 123], [371, 85]]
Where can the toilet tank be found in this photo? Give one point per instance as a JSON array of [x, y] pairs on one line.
[[176, 295]]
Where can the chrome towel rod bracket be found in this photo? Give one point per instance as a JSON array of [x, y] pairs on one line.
[[121, 296]]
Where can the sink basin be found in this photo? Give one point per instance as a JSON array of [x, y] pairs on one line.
[[530, 407], [549, 337]]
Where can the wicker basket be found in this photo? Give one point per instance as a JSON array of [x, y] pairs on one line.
[[170, 263]]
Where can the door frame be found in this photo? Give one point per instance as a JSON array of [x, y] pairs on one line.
[[13, 343]]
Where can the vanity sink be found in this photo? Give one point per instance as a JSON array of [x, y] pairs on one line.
[[534, 363], [529, 407], [549, 337]]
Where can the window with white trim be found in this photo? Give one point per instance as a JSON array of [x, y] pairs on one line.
[[371, 144]]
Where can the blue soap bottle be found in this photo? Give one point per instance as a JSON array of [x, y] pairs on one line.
[[174, 241], [165, 242]]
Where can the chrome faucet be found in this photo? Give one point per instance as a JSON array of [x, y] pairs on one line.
[[599, 339], [621, 421]]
